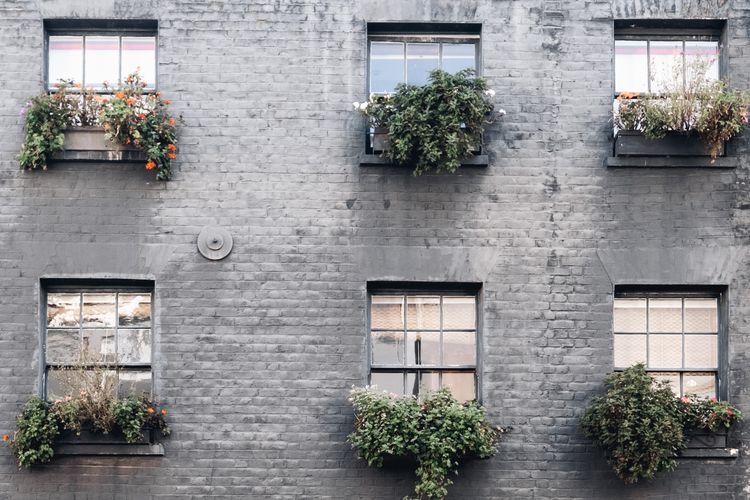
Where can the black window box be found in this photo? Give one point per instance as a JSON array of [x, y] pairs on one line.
[[94, 443], [373, 160], [706, 444], [633, 149]]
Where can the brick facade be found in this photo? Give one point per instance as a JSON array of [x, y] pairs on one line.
[[255, 353]]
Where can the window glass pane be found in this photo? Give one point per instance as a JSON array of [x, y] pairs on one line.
[[387, 348], [458, 56], [63, 346], [386, 66], [56, 386], [423, 348], [98, 346], [631, 66], [387, 381], [429, 381], [702, 56], [665, 315], [63, 310], [65, 59], [423, 313], [136, 383], [665, 351], [134, 309], [459, 313], [666, 64], [630, 315], [461, 384], [99, 309], [701, 316], [629, 350], [421, 59], [102, 60], [670, 377], [700, 384], [387, 312], [139, 54], [134, 346], [459, 348], [701, 351]]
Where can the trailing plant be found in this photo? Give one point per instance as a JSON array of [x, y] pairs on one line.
[[436, 430], [433, 126], [642, 425], [128, 116], [707, 107], [37, 429], [135, 415]]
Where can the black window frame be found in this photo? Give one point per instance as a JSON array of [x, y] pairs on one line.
[[48, 286], [99, 27], [407, 289], [669, 30], [718, 292]]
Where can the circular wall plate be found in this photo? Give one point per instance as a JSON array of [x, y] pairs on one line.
[[214, 243]]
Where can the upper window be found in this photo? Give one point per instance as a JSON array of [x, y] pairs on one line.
[[98, 329], [648, 57], [94, 53], [675, 334], [424, 340], [408, 53]]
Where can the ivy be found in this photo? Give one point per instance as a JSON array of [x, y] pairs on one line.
[[437, 431]]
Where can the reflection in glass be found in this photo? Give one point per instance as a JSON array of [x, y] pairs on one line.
[[98, 309], [700, 384], [63, 346], [139, 54], [387, 348], [134, 383], [63, 310], [423, 313], [387, 381], [631, 66], [134, 346], [702, 56], [65, 59], [462, 385], [387, 312], [102, 60], [458, 56], [134, 309], [459, 348], [673, 378], [386, 66], [423, 348], [666, 64], [421, 59], [98, 346]]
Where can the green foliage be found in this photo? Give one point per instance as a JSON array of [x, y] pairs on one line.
[[40, 422], [144, 121], [642, 425], [436, 431], [46, 117], [37, 428], [129, 117], [712, 109], [434, 126]]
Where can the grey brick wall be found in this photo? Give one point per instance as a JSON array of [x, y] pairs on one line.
[[256, 353]]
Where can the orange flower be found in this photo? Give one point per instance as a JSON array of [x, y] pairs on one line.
[[171, 156], [164, 412], [130, 101], [6, 438], [150, 165], [167, 101], [171, 121], [172, 147], [150, 410], [142, 116], [77, 85], [120, 95]]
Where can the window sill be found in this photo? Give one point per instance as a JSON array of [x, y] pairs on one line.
[[371, 160], [102, 449], [710, 453], [672, 162]]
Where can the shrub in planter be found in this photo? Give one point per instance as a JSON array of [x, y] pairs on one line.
[[709, 108], [433, 126], [436, 431], [642, 425], [128, 116], [91, 404]]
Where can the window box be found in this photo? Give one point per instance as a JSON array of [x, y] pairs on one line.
[[90, 144], [634, 143], [706, 444], [94, 443]]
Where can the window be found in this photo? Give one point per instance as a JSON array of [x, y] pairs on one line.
[[676, 334], [648, 55], [408, 53], [95, 52], [107, 330], [424, 340]]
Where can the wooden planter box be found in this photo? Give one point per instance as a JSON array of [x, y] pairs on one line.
[[90, 144], [634, 143]]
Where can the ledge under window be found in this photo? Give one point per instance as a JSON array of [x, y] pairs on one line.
[[372, 160], [672, 162]]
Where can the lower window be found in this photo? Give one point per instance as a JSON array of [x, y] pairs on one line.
[[424, 340], [675, 333], [98, 338]]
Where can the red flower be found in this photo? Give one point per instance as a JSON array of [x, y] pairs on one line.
[[171, 121], [730, 412], [713, 399], [685, 399], [172, 147], [171, 156], [163, 412], [150, 165]]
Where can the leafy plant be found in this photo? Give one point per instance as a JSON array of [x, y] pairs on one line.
[[37, 429], [437, 431], [434, 126], [709, 108], [129, 117], [642, 425]]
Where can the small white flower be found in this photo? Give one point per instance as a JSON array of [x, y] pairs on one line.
[[489, 92], [501, 112], [356, 105], [363, 106]]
